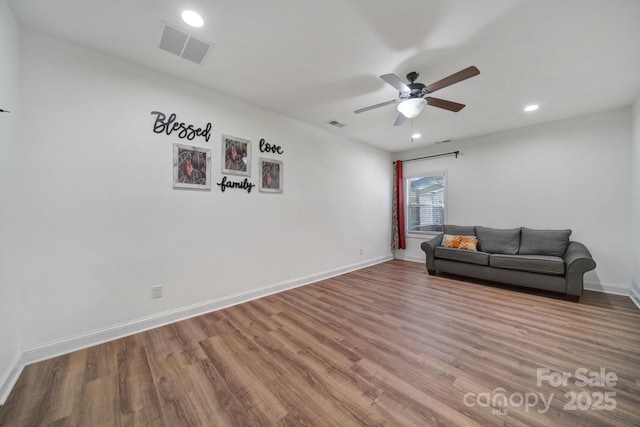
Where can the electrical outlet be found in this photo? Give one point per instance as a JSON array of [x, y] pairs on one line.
[[156, 291]]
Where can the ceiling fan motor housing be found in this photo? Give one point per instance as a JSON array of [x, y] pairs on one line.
[[417, 89]]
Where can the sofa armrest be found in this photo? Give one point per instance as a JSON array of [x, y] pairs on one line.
[[429, 248], [577, 260]]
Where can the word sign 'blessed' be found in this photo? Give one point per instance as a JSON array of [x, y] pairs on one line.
[[170, 125]]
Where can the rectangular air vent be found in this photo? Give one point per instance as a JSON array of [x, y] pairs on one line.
[[183, 44]]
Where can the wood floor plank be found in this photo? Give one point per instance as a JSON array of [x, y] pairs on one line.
[[388, 345], [136, 389], [254, 395], [99, 395]]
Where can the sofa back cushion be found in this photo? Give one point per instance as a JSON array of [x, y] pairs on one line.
[[544, 242], [459, 230], [498, 241]]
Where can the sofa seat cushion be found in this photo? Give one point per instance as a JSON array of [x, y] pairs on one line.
[[546, 264], [544, 242], [498, 241], [463, 255]]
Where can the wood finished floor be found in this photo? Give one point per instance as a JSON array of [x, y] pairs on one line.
[[386, 345]]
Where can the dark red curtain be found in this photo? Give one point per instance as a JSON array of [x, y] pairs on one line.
[[400, 204]]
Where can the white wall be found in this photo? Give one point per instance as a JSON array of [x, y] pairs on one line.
[[635, 199], [10, 172], [103, 223], [572, 173]]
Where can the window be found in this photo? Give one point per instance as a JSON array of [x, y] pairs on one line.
[[426, 200]]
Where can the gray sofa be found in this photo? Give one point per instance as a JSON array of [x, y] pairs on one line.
[[540, 259]]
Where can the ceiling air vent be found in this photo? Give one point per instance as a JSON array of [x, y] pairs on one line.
[[336, 124], [182, 44]]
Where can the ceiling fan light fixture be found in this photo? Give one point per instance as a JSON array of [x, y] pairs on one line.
[[412, 107]]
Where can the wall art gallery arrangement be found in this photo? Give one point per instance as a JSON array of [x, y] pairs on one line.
[[192, 164]]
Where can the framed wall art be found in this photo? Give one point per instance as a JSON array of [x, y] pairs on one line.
[[191, 167], [236, 155], [270, 176]]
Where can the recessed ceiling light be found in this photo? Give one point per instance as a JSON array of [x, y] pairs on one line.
[[416, 136], [532, 107], [192, 18]]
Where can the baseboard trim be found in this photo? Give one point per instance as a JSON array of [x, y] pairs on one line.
[[608, 288], [66, 345], [10, 377], [634, 294], [409, 258]]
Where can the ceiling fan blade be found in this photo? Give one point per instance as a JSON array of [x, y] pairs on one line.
[[371, 107], [453, 78], [399, 119], [443, 103], [395, 81]]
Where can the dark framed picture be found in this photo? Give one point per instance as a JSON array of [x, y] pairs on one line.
[[191, 167], [270, 176], [236, 155]]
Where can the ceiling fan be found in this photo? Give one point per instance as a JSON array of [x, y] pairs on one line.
[[413, 96]]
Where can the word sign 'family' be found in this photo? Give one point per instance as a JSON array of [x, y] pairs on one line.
[[241, 185], [170, 125]]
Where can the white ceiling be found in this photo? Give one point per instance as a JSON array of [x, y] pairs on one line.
[[318, 61]]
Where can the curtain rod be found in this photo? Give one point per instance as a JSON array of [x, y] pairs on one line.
[[452, 153]]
